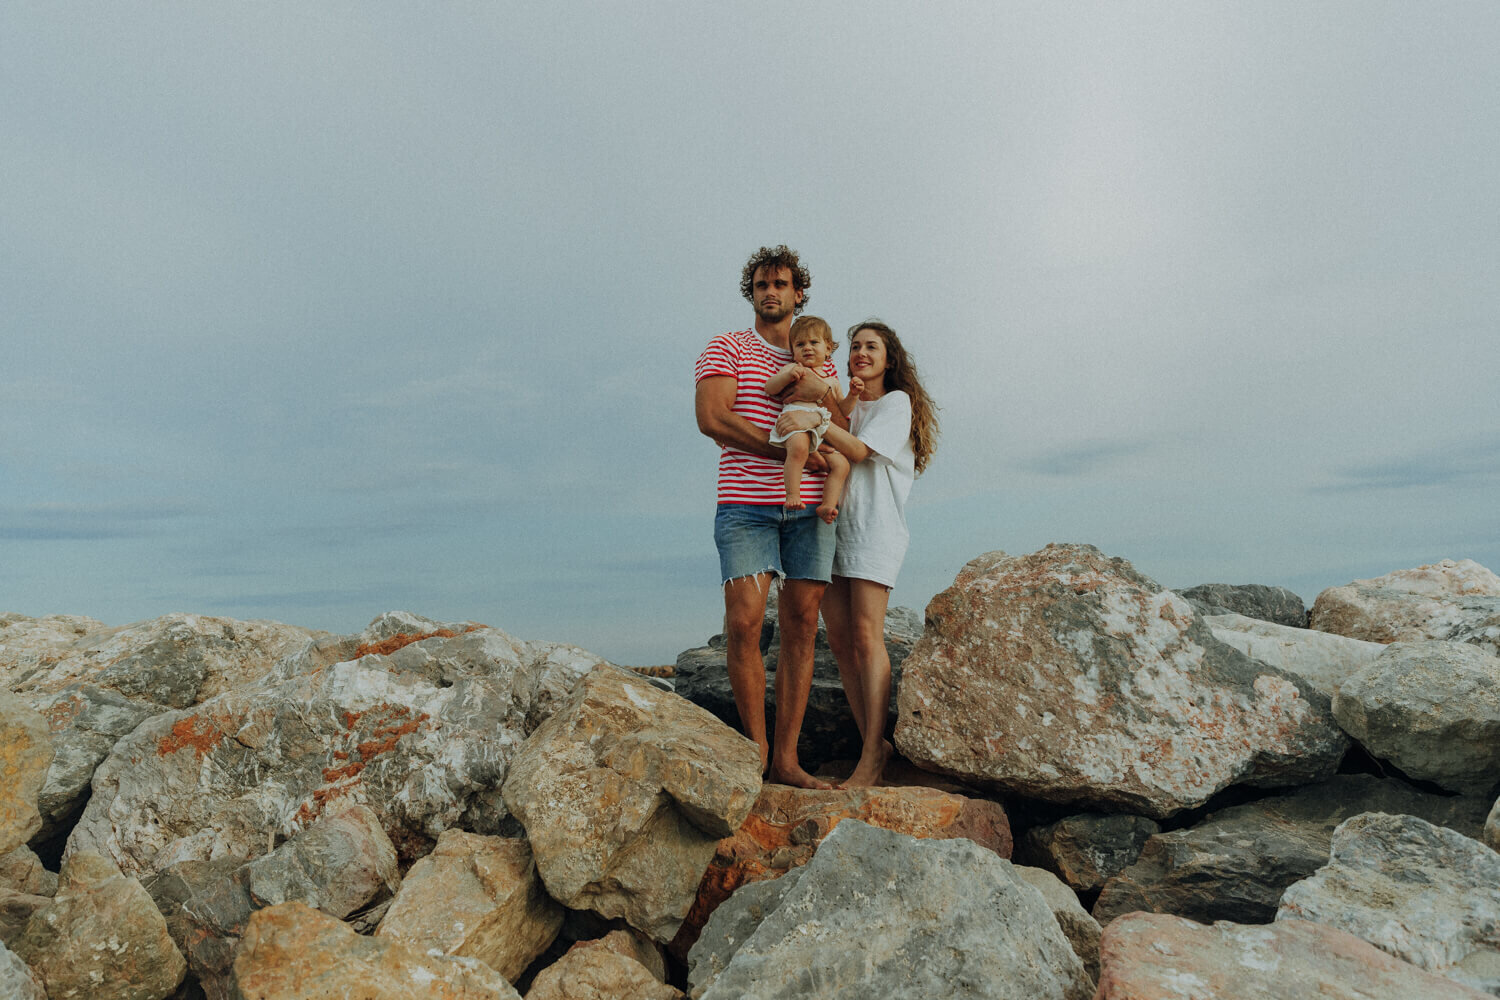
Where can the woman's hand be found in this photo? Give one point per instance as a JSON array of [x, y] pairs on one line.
[[792, 421]]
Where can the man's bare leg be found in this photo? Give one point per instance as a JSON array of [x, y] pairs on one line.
[[833, 486], [744, 612], [798, 611], [870, 698], [797, 447]]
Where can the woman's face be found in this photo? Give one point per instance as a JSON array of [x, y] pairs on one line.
[[867, 356]]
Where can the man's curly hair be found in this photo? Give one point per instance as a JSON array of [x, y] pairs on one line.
[[776, 257]]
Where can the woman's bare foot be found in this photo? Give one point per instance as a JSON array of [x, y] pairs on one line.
[[827, 512], [796, 777], [868, 771]]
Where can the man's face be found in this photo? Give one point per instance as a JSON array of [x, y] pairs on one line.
[[772, 294]]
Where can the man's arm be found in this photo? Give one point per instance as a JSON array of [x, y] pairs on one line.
[[714, 404]]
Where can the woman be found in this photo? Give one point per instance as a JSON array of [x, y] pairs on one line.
[[890, 440]]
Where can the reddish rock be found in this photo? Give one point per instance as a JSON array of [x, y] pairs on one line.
[[787, 824], [1152, 956]]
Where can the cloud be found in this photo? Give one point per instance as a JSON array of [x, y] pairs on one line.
[[92, 521], [1080, 459], [1460, 465]]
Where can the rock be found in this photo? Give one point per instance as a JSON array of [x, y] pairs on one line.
[[175, 660], [592, 970], [1492, 827], [828, 729], [172, 887], [1430, 708], [787, 824], [881, 914], [17, 981], [101, 938], [1150, 956], [424, 756], [1088, 849], [1237, 862], [1252, 600], [16, 909], [1067, 676], [25, 753], [1081, 930], [1322, 659], [624, 793], [479, 897], [86, 723], [292, 952], [1452, 600], [21, 871], [31, 645], [1423, 893]]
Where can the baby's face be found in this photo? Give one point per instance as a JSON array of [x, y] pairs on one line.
[[809, 350]]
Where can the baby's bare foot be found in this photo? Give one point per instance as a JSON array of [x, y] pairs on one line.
[[827, 512]]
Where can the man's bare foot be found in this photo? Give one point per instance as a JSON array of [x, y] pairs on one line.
[[794, 503], [868, 771], [796, 777], [827, 512]]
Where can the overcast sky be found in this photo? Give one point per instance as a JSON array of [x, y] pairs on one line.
[[314, 311]]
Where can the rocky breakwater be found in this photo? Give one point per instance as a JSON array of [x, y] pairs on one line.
[[439, 809]]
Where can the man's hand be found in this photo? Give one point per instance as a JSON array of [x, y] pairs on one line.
[[792, 421], [815, 460]]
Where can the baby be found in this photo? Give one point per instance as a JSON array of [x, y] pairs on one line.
[[812, 342]]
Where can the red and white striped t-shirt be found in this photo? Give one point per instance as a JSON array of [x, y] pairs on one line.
[[745, 357]]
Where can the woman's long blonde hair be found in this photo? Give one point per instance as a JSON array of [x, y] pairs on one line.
[[901, 373]]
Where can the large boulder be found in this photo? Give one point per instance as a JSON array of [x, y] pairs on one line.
[[29, 645], [101, 937], [17, 981], [1423, 893], [1322, 659], [828, 729], [624, 793], [787, 824], [86, 723], [1491, 835], [1088, 849], [294, 952], [1252, 600], [1067, 676], [880, 914], [261, 762], [1430, 708], [1151, 956], [1081, 930], [25, 754], [1237, 862], [479, 897], [338, 865], [1457, 600], [597, 970]]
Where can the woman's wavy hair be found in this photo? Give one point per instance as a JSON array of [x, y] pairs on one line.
[[901, 373], [775, 258]]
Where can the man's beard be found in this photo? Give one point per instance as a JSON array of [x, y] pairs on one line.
[[774, 314]]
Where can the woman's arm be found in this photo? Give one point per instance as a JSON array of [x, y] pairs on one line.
[[847, 444]]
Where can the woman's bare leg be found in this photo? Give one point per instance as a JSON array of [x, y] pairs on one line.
[[796, 458], [867, 606], [841, 642]]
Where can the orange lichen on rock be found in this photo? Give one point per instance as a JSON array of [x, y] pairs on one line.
[[386, 647], [186, 733]]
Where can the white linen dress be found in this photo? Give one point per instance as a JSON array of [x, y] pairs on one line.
[[872, 535]]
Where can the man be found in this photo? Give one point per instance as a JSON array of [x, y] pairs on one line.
[[755, 535]]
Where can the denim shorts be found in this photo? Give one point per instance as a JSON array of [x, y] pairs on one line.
[[767, 538]]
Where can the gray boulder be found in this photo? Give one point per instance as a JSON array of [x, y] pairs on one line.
[[17, 981], [1253, 600], [881, 914], [1449, 600], [1081, 930], [87, 722], [828, 729], [1430, 708], [1423, 893], [25, 754], [1491, 834], [261, 762], [1067, 676], [1089, 849], [1236, 863], [1322, 659]]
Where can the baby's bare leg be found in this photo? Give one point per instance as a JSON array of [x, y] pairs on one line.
[[796, 458], [833, 486]]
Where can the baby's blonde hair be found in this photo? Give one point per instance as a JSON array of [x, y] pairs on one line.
[[812, 324]]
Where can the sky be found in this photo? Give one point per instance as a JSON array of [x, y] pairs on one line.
[[310, 312]]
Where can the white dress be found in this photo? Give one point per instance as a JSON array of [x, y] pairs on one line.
[[872, 535]]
